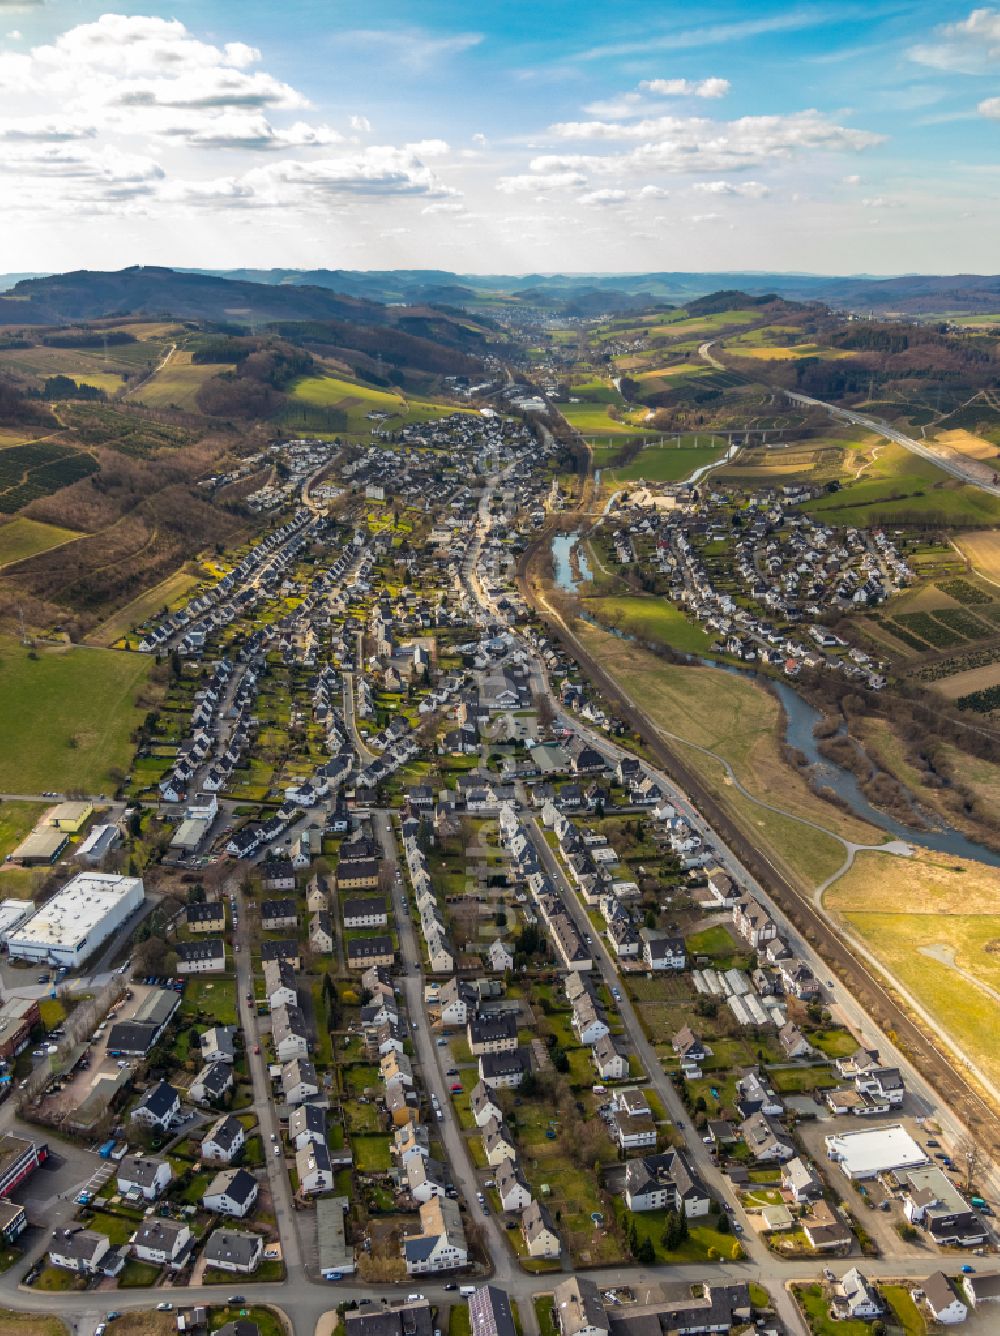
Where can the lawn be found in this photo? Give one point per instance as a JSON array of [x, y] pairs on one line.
[[909, 1317], [371, 1154], [67, 716], [55, 1279], [936, 929], [268, 1322], [714, 941], [702, 1237], [17, 819], [665, 463], [137, 1275], [815, 1305], [213, 998], [650, 618], [118, 1228], [52, 1012], [459, 1323], [543, 1315], [23, 538], [30, 1324]]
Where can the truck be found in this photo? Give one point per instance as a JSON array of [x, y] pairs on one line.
[[466, 1290]]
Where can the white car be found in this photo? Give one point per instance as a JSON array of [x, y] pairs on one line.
[[165, 1307]]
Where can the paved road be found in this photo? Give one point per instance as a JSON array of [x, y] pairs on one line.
[[429, 1057], [263, 1103]]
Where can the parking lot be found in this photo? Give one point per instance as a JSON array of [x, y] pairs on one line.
[[868, 1200], [96, 1062]]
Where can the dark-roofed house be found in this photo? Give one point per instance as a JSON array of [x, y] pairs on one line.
[[224, 1140], [278, 914], [489, 1312], [502, 1071], [512, 1187], [208, 916], [539, 1231], [157, 1107], [306, 1125], [205, 957], [84, 1251], [685, 1308], [942, 1300], [134, 1038], [357, 874], [365, 951], [394, 1319], [665, 1183], [492, 1033], [211, 1083], [578, 1309], [277, 874], [484, 1105], [365, 911], [234, 1250], [143, 1176], [231, 1192], [162, 1242], [286, 949]]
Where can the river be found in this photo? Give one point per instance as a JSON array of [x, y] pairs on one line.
[[800, 719]]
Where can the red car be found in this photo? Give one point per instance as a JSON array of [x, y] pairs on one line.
[[456, 1088], [256, 1048]]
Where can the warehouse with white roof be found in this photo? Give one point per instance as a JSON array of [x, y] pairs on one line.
[[69, 928], [875, 1151]]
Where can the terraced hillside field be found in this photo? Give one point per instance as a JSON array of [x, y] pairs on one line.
[[37, 469]]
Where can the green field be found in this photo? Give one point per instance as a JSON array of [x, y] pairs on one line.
[[348, 405], [590, 418], [899, 487], [17, 819], [67, 716], [651, 618], [177, 385], [665, 463], [23, 538]]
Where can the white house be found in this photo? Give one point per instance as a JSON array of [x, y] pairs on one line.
[[313, 1167], [224, 1140], [942, 1300], [234, 1250], [501, 957], [231, 1192], [143, 1176], [162, 1242], [158, 1107]]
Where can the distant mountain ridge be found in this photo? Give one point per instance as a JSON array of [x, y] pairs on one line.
[[378, 297]]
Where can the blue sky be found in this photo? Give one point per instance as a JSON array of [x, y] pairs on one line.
[[834, 137]]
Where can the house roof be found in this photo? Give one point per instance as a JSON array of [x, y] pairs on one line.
[[232, 1246]]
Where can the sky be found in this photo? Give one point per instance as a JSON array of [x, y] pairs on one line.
[[505, 136]]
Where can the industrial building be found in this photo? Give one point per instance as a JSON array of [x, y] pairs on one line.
[[875, 1151], [41, 848], [69, 928]]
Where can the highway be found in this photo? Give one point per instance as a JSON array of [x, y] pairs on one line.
[[965, 470]]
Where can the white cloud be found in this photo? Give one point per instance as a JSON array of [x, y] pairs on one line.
[[712, 34], [237, 130], [748, 189], [881, 202], [990, 107], [479, 140], [428, 148], [519, 185], [970, 46], [686, 87], [605, 198], [42, 129], [653, 192], [852, 180], [122, 90], [453, 206], [706, 218], [361, 124]]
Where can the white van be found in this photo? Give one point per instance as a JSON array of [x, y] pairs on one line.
[[466, 1290]]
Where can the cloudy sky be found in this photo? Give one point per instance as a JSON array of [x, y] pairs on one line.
[[834, 136]]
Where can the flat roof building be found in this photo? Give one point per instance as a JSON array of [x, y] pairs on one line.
[[874, 1151], [42, 847], [69, 928]]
